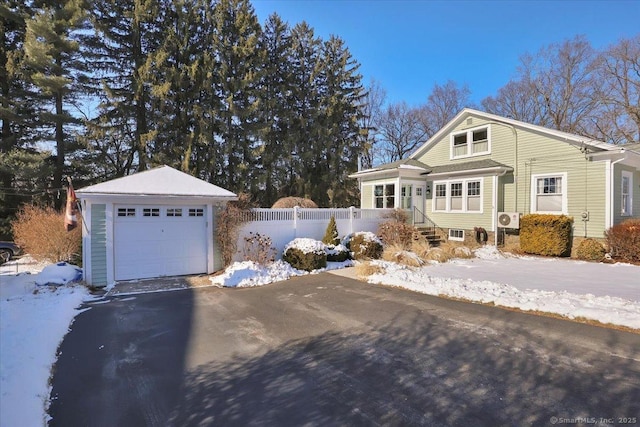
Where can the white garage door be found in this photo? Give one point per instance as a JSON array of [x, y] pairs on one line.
[[155, 241]]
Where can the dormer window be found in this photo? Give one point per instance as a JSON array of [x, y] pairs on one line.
[[472, 142]]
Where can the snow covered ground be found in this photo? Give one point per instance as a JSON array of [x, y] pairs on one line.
[[609, 293], [33, 321]]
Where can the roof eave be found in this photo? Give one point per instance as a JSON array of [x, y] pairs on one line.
[[82, 194], [497, 170]]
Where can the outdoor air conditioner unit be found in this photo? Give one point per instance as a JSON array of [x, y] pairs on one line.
[[509, 219]]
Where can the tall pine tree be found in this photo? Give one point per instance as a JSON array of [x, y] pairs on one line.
[[53, 56], [125, 33], [239, 61], [275, 110]]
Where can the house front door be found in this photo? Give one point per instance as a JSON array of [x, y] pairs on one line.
[[419, 204]]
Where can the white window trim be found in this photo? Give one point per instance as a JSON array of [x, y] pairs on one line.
[[629, 175], [384, 184], [465, 196], [469, 133], [458, 239], [565, 191]]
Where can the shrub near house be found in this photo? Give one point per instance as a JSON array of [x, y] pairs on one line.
[[548, 235], [624, 240], [305, 254]]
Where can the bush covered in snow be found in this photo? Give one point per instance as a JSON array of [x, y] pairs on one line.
[[337, 253], [397, 254], [305, 254], [590, 250], [624, 240], [365, 245]]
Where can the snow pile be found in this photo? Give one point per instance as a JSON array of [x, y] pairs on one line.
[[366, 235], [488, 252], [248, 273], [33, 321], [305, 245], [335, 250], [59, 274], [605, 309]]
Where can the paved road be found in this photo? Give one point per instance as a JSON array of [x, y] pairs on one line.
[[324, 350]]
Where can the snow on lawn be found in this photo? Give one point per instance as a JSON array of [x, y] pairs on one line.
[[33, 322], [606, 309]]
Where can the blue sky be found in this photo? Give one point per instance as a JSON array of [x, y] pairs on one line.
[[408, 46]]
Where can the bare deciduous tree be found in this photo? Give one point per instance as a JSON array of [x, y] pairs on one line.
[[557, 87], [369, 122], [443, 104], [401, 131], [619, 71]]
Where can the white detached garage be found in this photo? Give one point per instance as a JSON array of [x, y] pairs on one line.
[[156, 223]]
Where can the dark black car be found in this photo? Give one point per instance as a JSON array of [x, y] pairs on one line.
[[8, 250]]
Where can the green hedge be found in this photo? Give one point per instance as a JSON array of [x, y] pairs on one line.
[[548, 235], [307, 261]]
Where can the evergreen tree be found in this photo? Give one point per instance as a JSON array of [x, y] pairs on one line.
[[239, 62], [305, 102], [53, 57], [275, 111], [339, 141], [331, 236], [124, 33], [183, 87]]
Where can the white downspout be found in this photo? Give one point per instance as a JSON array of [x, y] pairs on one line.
[[494, 212]]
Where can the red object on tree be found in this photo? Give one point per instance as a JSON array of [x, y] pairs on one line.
[[71, 211]]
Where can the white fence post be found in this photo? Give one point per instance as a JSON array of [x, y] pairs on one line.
[[352, 215], [295, 222]]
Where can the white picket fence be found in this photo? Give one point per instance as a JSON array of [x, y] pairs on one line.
[[284, 225]]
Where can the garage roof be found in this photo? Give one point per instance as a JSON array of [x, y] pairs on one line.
[[161, 181]]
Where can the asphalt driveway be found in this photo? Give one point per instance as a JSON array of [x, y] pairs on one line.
[[324, 350]]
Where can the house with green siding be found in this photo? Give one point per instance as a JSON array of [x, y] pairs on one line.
[[483, 171]]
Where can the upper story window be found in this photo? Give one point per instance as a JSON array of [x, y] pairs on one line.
[[549, 193], [472, 142], [626, 194]]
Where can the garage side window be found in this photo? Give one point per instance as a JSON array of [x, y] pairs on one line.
[[151, 212], [196, 212], [126, 211], [174, 212]]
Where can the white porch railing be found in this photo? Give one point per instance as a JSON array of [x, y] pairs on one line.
[[284, 225]]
